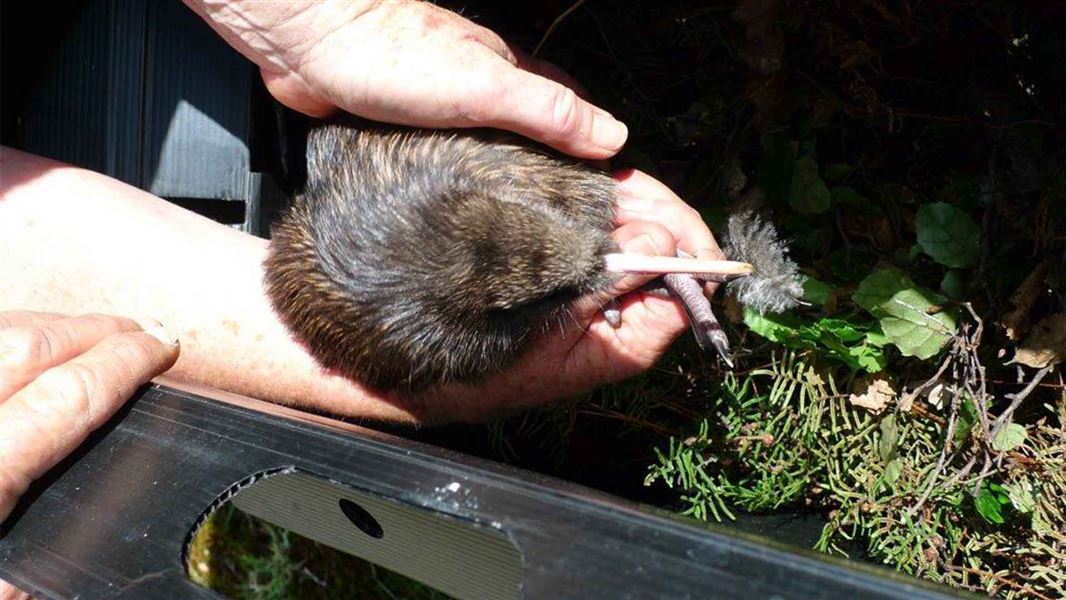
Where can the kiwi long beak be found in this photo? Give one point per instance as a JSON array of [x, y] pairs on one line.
[[712, 270]]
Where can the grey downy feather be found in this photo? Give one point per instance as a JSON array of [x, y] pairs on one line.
[[777, 283]]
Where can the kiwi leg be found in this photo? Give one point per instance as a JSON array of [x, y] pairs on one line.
[[705, 325]]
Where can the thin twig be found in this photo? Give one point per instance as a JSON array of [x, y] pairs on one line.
[[973, 366], [986, 471], [925, 413], [1054, 386], [918, 391], [555, 23], [610, 414], [942, 460], [943, 119], [1016, 399], [963, 472]]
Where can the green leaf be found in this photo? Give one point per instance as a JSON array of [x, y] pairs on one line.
[[774, 171], [893, 470], [841, 329], [838, 339], [879, 287], [816, 292], [850, 265], [809, 240], [912, 323], [910, 316], [809, 194], [966, 420], [779, 328], [953, 284], [869, 358], [886, 446], [1009, 437], [988, 506], [948, 234], [877, 338], [844, 195], [836, 172]]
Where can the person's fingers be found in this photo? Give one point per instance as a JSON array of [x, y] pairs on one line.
[[548, 112], [10, 592], [641, 238], [634, 238], [544, 68], [487, 38], [557, 74], [642, 198], [27, 351], [650, 324], [50, 417], [21, 318], [293, 92]]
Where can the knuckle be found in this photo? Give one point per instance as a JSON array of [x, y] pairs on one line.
[[69, 389], [23, 347], [662, 238], [13, 480], [566, 113], [129, 352], [481, 100]]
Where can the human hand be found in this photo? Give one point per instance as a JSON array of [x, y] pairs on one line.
[[60, 379], [409, 63], [650, 219]]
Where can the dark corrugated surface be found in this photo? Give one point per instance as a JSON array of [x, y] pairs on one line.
[[143, 91], [197, 111], [125, 76], [67, 114]]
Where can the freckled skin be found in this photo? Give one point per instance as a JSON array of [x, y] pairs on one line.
[[414, 257]]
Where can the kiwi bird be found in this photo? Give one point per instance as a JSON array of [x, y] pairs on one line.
[[415, 257]]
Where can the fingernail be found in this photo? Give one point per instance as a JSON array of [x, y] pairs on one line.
[[608, 132], [158, 331]]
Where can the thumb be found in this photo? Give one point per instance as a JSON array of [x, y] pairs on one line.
[[634, 238], [290, 90], [549, 112]]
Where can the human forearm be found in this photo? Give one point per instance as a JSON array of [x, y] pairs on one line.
[[73, 241]]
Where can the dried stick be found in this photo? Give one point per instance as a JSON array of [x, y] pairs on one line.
[[942, 460], [1017, 398], [555, 23]]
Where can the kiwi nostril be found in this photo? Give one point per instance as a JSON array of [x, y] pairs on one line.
[[361, 518]]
